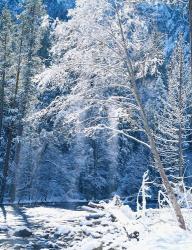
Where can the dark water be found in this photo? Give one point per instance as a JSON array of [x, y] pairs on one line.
[[62, 205]]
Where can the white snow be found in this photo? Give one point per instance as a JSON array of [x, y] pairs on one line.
[[158, 229], [63, 230], [90, 244]]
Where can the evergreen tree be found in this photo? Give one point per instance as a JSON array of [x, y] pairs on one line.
[[31, 19], [6, 39], [26, 45], [6, 60]]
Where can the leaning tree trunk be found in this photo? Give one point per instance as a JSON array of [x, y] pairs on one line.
[[158, 162], [151, 139]]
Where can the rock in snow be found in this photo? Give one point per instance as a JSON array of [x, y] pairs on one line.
[[22, 232], [62, 230]]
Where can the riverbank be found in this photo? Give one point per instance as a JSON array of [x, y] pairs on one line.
[[116, 228]]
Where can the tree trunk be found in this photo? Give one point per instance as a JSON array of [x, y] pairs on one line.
[[181, 160], [16, 161], [19, 66], [13, 186], [157, 159], [26, 90], [6, 165], [154, 151], [180, 131], [2, 86]]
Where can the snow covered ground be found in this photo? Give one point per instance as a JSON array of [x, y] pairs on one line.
[[116, 228]]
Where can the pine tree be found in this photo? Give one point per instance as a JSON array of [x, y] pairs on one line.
[[30, 39], [6, 59], [26, 61], [6, 39]]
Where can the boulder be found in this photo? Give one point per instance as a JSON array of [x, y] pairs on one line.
[[22, 232]]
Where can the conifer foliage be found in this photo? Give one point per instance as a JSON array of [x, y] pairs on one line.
[[20, 43]]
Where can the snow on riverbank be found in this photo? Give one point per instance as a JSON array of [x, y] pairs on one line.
[[82, 230], [114, 228]]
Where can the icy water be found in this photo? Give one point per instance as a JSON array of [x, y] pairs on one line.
[[14, 217]]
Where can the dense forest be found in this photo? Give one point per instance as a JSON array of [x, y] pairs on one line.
[[96, 109], [92, 95]]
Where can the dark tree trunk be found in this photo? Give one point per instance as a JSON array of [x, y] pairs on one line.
[[181, 130], [6, 165], [2, 86]]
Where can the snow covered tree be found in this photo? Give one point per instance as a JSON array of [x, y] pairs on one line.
[[6, 60], [28, 64], [109, 38], [173, 128], [101, 52], [25, 62]]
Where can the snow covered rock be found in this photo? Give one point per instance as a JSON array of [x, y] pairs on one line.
[[18, 247], [22, 232], [92, 245], [95, 216], [3, 228], [63, 230]]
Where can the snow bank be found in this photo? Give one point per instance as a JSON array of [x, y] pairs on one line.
[[72, 230], [91, 245], [63, 230]]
